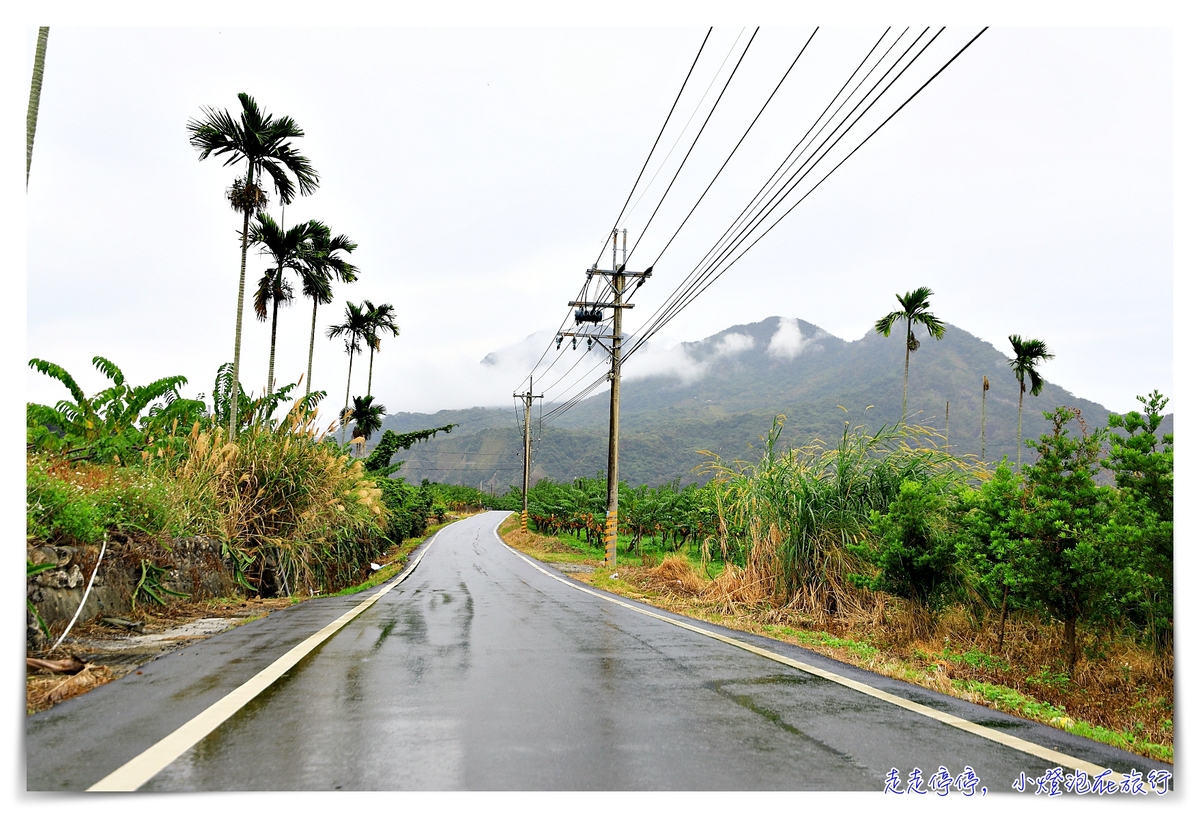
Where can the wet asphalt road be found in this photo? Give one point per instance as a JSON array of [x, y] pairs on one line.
[[480, 672]]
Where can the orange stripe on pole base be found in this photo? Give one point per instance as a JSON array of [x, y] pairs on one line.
[[610, 538]]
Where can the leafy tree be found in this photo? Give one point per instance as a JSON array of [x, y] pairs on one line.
[[288, 250], [322, 264], [112, 424], [994, 526], [353, 330], [1027, 355], [914, 545], [1143, 523], [409, 506], [914, 309], [382, 320], [1064, 562], [263, 143], [379, 462]]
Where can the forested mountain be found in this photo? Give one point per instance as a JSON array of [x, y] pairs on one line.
[[721, 394]]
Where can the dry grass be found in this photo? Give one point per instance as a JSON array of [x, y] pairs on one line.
[[44, 690], [1120, 693]]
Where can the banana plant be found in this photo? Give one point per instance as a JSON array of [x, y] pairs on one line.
[[114, 423]]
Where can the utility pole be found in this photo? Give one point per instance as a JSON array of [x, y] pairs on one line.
[[592, 312], [527, 399]]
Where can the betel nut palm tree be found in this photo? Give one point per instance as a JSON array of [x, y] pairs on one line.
[[1028, 353], [321, 265], [288, 251], [263, 143], [914, 310], [353, 330], [367, 418], [383, 319]]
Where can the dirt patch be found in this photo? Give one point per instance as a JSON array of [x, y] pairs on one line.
[[109, 650]]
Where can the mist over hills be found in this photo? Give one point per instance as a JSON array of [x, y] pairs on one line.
[[721, 394]]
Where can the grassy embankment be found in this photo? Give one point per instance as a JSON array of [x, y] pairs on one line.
[[1115, 698]]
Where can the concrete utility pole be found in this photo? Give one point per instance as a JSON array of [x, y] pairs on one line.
[[527, 399], [590, 312]]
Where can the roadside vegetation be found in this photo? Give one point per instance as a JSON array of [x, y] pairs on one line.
[[295, 512], [1046, 592]]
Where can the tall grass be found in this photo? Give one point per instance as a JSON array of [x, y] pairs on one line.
[[791, 515], [295, 512]]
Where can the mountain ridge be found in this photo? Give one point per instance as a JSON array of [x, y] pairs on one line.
[[721, 394]]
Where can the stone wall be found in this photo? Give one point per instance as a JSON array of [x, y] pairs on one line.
[[193, 566]]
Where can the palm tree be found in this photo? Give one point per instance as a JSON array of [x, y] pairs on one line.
[[354, 328], [367, 418], [383, 319], [914, 310], [262, 142], [288, 250], [321, 265], [1026, 355]]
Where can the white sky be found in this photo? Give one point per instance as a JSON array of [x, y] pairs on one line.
[[1032, 186], [478, 169]]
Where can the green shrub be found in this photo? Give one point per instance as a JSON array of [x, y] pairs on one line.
[[914, 545], [79, 502]]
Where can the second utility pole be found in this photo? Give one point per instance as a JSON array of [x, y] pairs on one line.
[[527, 399]]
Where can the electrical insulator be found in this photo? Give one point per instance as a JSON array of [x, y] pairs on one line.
[[558, 342], [574, 343], [589, 343]]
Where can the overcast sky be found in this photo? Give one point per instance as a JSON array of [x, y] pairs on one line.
[[1030, 186]]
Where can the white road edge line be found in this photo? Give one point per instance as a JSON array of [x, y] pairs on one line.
[[1052, 756], [140, 769]]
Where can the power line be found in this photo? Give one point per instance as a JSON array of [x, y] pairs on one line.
[[566, 406], [697, 283], [713, 266], [683, 130], [700, 133], [656, 140], [732, 152]]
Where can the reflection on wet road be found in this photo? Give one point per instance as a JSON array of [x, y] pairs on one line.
[[479, 672]]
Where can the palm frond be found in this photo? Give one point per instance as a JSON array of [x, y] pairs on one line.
[[884, 325]]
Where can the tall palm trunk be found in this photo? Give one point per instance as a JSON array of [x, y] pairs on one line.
[[35, 97], [237, 333], [274, 324], [907, 352], [1020, 409], [983, 424], [346, 405], [312, 340], [370, 369]]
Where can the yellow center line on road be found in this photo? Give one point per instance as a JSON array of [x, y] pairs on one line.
[[1053, 756], [140, 769]]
